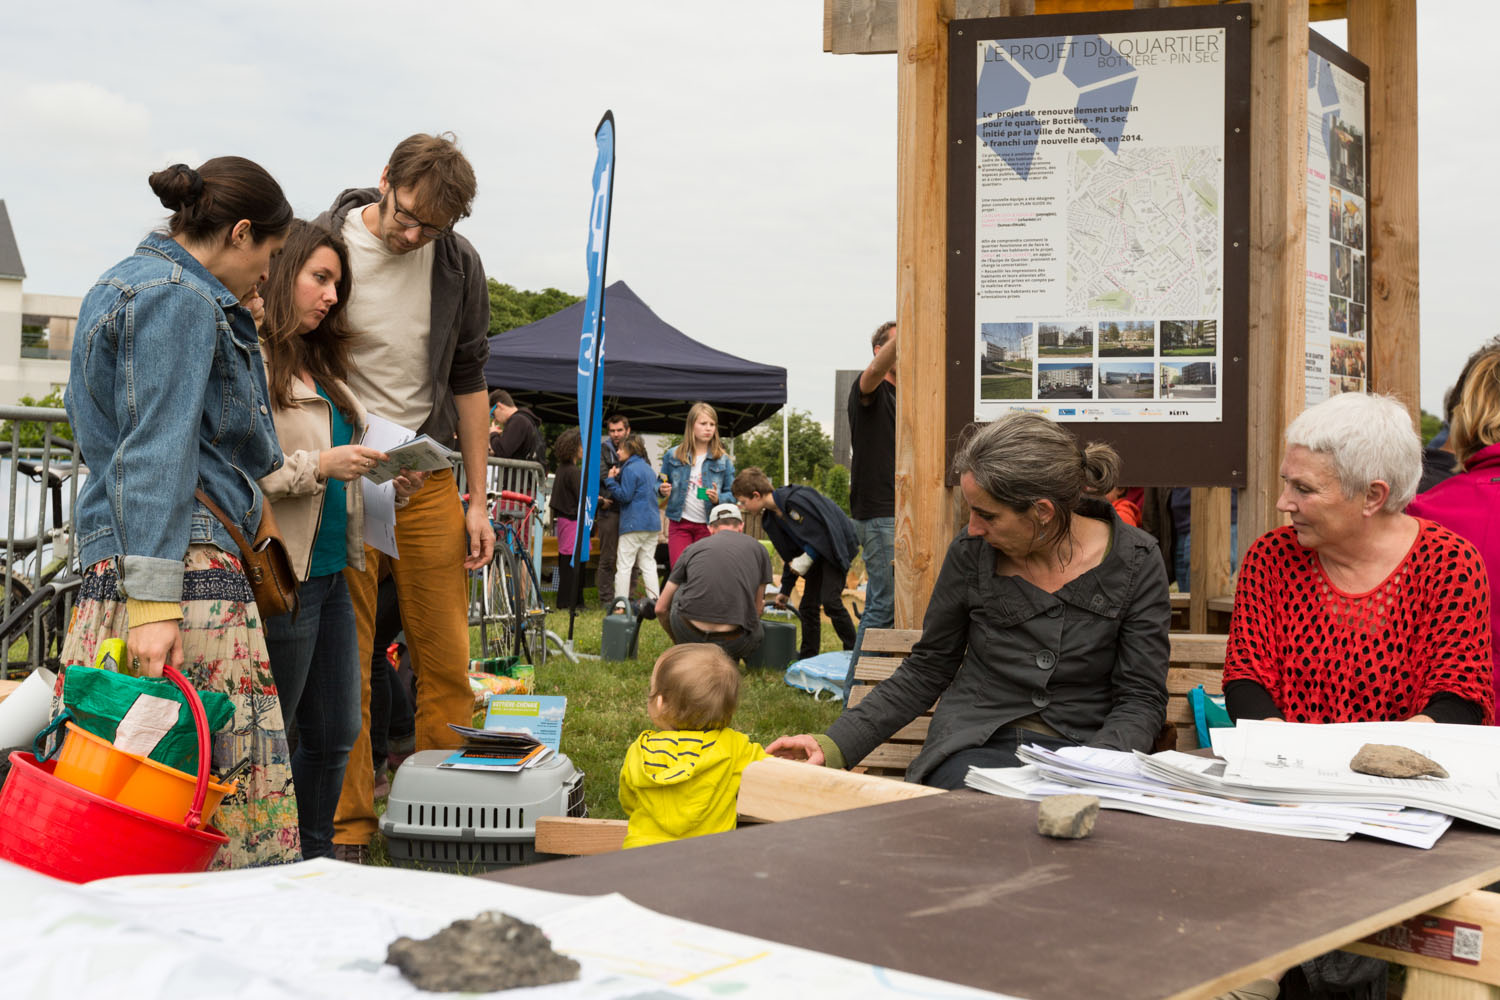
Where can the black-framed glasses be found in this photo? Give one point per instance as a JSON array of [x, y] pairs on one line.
[[406, 220]]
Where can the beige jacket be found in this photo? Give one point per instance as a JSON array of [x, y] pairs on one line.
[[296, 492]]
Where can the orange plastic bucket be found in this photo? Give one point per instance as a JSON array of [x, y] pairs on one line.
[[95, 764], [159, 790]]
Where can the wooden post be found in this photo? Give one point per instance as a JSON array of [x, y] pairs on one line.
[[921, 306], [1383, 35], [1278, 234], [1208, 560]]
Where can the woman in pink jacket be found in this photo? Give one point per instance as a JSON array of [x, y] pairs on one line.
[[1468, 504]]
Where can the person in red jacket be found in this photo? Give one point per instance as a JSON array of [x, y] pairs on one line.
[[1467, 503]]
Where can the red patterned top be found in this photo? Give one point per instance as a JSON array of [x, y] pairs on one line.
[[1327, 656]]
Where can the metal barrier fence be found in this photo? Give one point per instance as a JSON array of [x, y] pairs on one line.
[[39, 560]]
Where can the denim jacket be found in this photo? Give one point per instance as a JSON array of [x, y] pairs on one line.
[[166, 394], [717, 472], [635, 492]]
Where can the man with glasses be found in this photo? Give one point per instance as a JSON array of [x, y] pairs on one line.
[[421, 305]]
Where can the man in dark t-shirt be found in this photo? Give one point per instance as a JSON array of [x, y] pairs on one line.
[[520, 433], [872, 479], [716, 589]]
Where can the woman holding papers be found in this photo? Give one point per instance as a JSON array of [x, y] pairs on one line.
[[1048, 623], [166, 395], [319, 508], [1357, 612]]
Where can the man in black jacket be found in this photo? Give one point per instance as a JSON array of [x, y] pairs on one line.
[[816, 541], [519, 435]]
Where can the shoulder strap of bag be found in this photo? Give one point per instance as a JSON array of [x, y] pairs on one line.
[[233, 529]]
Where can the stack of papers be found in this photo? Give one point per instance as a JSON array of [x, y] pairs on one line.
[[421, 454], [520, 731], [1191, 789]]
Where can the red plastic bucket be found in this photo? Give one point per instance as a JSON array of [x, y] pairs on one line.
[[59, 829]]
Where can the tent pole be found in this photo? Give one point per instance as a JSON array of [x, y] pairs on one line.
[[786, 460]]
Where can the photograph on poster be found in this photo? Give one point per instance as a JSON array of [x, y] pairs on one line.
[[1336, 177], [1346, 357], [1189, 380], [1061, 381], [1189, 338], [1127, 380], [1338, 314], [1065, 340], [1344, 383], [1346, 155], [1127, 339], [1340, 270], [1007, 354], [1353, 226]]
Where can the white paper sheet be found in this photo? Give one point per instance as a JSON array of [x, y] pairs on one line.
[[320, 929], [380, 499]]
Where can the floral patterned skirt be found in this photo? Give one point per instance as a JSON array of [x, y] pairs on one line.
[[223, 650]]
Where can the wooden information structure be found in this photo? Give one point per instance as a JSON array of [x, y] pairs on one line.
[[1382, 35]]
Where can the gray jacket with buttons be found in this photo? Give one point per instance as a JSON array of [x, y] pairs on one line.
[[1090, 660]]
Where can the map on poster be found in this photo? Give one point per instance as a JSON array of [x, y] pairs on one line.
[[1099, 225], [1337, 357]]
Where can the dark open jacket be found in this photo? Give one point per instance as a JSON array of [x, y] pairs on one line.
[[1090, 660]]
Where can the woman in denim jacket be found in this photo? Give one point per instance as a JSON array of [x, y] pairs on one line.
[[698, 472], [631, 485], [167, 395]]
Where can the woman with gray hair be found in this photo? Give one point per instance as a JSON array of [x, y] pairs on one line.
[[1357, 612], [1048, 623]]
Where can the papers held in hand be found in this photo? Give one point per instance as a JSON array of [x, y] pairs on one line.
[[420, 454]]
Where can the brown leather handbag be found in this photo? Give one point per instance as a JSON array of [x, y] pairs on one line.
[[267, 566]]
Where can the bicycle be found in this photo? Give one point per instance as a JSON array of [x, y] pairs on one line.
[[38, 596], [505, 593]]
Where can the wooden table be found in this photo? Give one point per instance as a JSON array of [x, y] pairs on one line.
[[960, 887]]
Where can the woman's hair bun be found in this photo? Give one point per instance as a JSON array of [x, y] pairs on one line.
[[178, 186]]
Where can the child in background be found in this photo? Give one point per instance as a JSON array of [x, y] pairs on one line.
[[632, 485], [683, 778]]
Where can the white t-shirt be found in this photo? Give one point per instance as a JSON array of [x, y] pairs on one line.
[[694, 509], [390, 312]]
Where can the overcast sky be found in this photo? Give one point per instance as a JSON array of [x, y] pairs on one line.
[[754, 202]]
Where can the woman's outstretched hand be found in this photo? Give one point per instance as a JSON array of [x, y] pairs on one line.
[[801, 748], [349, 461]]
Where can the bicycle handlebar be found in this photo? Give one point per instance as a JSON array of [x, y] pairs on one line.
[[512, 495]]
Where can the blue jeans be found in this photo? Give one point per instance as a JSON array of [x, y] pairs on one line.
[[315, 661], [877, 543]]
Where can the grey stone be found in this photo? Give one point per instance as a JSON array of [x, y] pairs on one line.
[[493, 951], [1070, 817], [1386, 761]]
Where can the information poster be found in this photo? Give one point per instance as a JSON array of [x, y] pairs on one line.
[[1099, 225], [1337, 347]]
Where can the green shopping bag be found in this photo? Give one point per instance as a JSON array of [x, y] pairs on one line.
[[99, 700]]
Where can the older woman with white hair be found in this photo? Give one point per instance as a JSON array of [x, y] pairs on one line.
[[1357, 612]]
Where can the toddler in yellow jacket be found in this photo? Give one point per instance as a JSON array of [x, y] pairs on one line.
[[683, 778]]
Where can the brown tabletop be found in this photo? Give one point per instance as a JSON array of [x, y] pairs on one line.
[[960, 887]]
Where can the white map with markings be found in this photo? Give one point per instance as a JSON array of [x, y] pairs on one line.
[[1144, 232]]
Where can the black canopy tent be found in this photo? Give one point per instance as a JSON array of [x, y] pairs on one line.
[[653, 372]]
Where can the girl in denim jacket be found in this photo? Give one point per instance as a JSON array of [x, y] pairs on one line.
[[699, 471], [167, 395], [633, 487]]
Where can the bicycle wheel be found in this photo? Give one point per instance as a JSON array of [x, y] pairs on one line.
[[533, 639], [508, 597]]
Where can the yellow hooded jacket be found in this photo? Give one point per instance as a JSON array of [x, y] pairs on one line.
[[683, 783]]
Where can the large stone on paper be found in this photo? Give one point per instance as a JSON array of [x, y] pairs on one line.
[[1386, 761], [493, 951], [1069, 817]]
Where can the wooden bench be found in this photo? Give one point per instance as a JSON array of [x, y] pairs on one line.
[[1192, 659]]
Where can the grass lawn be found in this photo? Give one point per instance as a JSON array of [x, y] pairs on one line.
[[607, 702]]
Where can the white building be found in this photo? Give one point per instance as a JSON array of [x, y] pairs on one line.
[[36, 331]]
